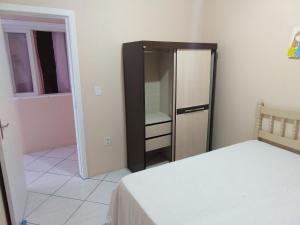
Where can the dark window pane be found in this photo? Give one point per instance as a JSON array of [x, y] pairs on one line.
[[45, 51], [20, 62]]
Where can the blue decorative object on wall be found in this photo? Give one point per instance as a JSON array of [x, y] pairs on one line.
[[297, 53], [294, 50]]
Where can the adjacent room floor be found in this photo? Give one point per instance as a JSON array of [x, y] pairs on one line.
[[58, 196]]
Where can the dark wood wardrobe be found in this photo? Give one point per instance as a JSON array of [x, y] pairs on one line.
[[169, 100]]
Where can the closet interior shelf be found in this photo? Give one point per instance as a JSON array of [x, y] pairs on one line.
[[156, 117]]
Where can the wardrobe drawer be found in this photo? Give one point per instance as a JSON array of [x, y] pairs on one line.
[[158, 129], [157, 143]]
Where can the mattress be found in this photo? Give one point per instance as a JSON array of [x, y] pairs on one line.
[[251, 183]]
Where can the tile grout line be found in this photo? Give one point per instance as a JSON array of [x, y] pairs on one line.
[[43, 174], [73, 213], [53, 194], [60, 163], [99, 203], [57, 164], [47, 152], [71, 177], [33, 210], [74, 159], [82, 201], [63, 185], [45, 194], [101, 181], [48, 171], [38, 157], [86, 200], [44, 156], [50, 195]]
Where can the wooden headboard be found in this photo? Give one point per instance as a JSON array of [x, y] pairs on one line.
[[292, 141]]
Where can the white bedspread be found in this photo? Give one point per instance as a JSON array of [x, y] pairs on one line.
[[250, 183]]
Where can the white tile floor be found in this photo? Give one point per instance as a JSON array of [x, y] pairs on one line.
[[58, 196]]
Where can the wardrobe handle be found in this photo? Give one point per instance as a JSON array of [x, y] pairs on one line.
[[192, 109]]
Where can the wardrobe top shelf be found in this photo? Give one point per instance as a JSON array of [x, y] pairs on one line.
[[157, 117], [173, 45]]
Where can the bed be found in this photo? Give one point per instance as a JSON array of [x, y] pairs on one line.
[[250, 183]]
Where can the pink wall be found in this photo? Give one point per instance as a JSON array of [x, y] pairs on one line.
[[46, 122]]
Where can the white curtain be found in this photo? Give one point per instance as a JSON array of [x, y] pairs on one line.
[[61, 60]]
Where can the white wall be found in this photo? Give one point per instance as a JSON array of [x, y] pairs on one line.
[[102, 27], [254, 38], [46, 122], [253, 65]]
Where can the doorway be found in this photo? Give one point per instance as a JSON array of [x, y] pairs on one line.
[[39, 71], [40, 24]]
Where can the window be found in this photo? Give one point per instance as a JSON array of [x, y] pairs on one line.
[[20, 63], [39, 62]]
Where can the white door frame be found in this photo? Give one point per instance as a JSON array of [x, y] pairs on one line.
[[73, 61], [4, 205]]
